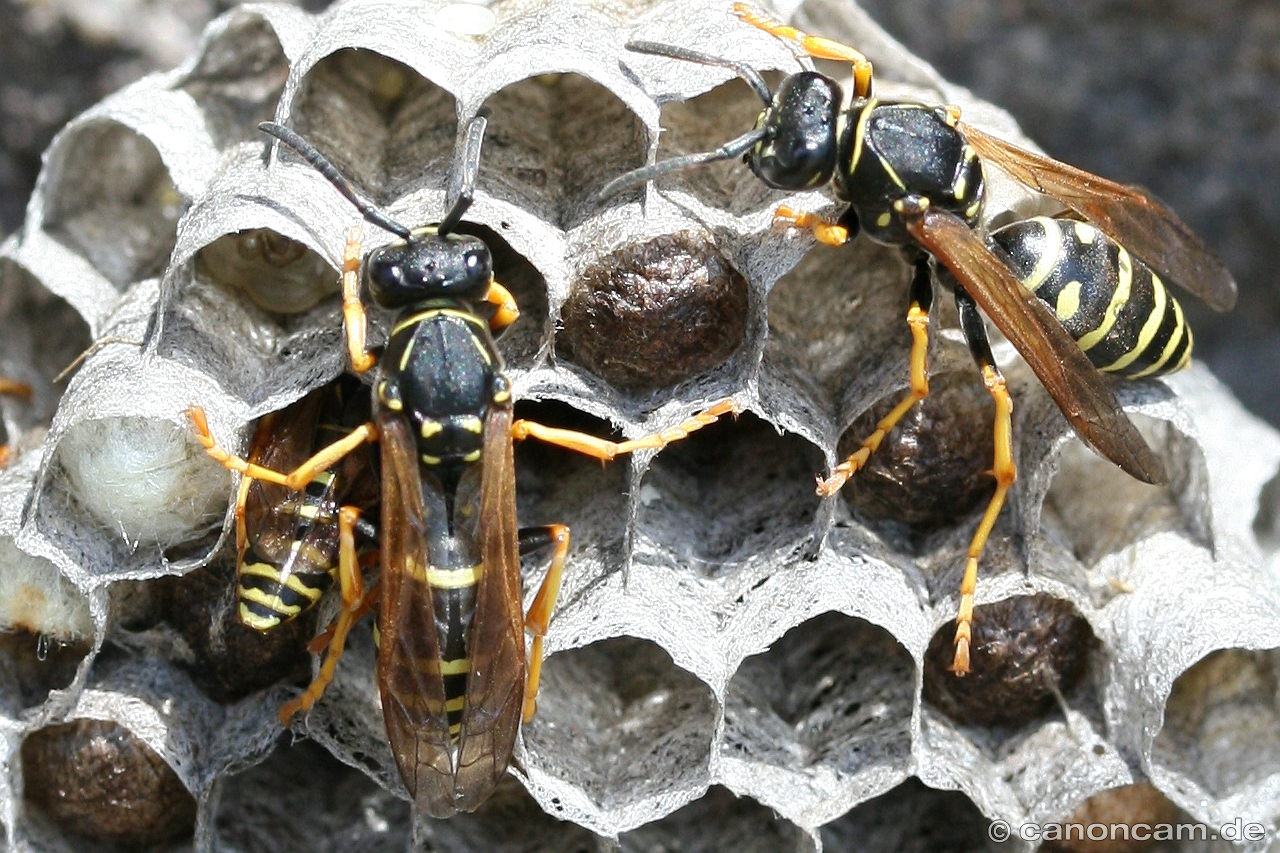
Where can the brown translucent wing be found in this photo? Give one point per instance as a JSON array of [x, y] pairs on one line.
[[409, 677], [1138, 222], [1080, 391], [281, 442], [495, 687]]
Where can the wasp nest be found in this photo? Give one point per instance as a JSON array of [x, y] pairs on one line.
[[733, 661]]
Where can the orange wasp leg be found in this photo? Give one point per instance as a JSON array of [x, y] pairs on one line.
[[539, 615], [1003, 467], [353, 315], [298, 478], [505, 309], [606, 450], [824, 230], [918, 320], [815, 46], [22, 391], [354, 605]]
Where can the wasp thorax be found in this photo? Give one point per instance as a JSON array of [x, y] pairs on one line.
[[799, 151], [429, 266]]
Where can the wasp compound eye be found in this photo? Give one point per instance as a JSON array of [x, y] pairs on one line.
[[799, 151]]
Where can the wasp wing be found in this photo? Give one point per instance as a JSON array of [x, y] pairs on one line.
[[1080, 391], [1132, 218], [495, 685], [409, 676]]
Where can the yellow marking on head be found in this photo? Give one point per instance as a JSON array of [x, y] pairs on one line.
[[1179, 329], [457, 666], [430, 428], [1085, 233], [1148, 332], [1068, 301], [1118, 300], [884, 219], [454, 578]]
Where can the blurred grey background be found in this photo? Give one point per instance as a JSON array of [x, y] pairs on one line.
[[1180, 96]]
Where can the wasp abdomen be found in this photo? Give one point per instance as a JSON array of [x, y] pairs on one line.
[[1113, 304]]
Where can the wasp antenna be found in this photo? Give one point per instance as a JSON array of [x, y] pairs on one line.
[[731, 149], [322, 165], [462, 186], [746, 72]]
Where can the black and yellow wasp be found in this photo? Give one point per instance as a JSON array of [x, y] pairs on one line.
[[452, 669], [912, 176]]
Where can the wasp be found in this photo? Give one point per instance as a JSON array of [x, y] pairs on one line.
[[1074, 298], [452, 670]]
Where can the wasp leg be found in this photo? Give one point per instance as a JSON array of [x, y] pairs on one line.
[[505, 309], [353, 602], [353, 315], [539, 615], [606, 450], [14, 388], [918, 320], [1003, 468], [815, 46], [824, 230], [299, 477]]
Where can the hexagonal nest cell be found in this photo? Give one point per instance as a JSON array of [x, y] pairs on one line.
[[733, 661]]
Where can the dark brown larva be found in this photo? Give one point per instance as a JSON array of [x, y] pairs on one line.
[[1024, 648], [655, 313], [933, 467], [96, 779]]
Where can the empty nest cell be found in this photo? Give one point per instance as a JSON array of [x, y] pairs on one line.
[[834, 692], [389, 130], [730, 494], [239, 78], [553, 142], [619, 720], [911, 818], [740, 823], [111, 200]]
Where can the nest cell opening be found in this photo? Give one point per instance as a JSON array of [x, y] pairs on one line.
[[302, 798], [554, 140], [656, 313], [911, 818], [111, 199], [840, 316], [43, 335], [272, 271], [142, 480], [1222, 723], [388, 129], [741, 824], [239, 78], [620, 721], [510, 820], [522, 343], [834, 691], [97, 781], [730, 494], [703, 123], [1026, 651], [1132, 510]]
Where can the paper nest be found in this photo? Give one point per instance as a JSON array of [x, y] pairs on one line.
[[734, 663]]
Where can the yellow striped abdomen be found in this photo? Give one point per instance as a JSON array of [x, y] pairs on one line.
[[1114, 305]]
